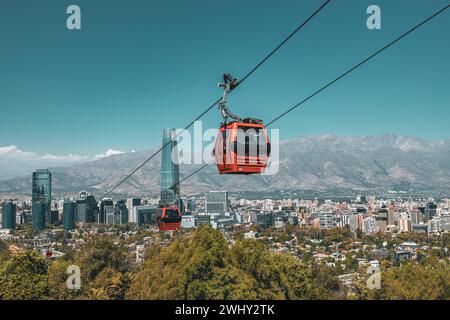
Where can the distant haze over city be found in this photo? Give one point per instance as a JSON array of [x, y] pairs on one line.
[[316, 162]]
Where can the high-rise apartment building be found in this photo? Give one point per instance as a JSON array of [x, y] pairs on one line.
[[327, 220], [433, 225], [145, 214], [86, 208], [132, 203], [430, 210], [121, 212], [404, 224], [106, 207], [216, 201], [110, 214], [370, 225]]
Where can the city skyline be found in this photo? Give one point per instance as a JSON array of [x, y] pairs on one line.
[[93, 74], [403, 214]]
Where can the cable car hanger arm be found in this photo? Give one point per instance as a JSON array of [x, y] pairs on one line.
[[229, 83]]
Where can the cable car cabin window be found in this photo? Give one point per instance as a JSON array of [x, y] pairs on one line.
[[171, 216], [251, 144]]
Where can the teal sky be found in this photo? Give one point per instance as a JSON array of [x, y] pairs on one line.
[[139, 66]]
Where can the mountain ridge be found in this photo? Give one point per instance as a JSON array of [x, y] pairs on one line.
[[315, 162]]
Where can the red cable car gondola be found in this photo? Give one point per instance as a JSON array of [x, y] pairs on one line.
[[242, 146], [169, 218]]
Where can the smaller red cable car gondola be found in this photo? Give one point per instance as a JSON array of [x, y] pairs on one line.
[[169, 218], [242, 146]]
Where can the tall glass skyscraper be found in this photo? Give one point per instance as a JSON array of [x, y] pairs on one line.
[[69, 208], [42, 190], [38, 215], [170, 176], [9, 216]]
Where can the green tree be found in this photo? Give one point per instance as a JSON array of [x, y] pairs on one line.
[[198, 268], [325, 283], [99, 253], [24, 276], [4, 253], [110, 284], [277, 276], [204, 267], [57, 281], [429, 280]]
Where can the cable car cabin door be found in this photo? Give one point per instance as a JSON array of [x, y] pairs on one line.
[[222, 151]]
